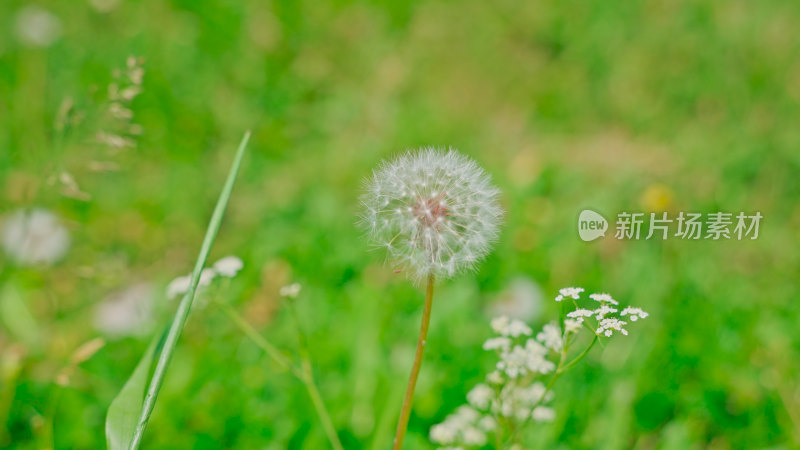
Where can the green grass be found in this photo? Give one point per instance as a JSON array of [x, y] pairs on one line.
[[567, 104]]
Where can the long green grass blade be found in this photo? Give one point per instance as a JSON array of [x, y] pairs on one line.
[[186, 302], [123, 413]]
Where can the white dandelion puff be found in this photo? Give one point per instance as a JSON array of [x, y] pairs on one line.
[[125, 313], [35, 237], [435, 212], [36, 27]]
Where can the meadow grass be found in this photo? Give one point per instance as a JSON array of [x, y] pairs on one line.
[[622, 106]]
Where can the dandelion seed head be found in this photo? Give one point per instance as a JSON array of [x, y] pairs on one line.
[[435, 212], [36, 27], [35, 236]]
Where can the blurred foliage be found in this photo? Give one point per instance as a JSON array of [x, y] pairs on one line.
[[624, 106]]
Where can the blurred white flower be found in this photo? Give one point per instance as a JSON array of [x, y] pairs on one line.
[[179, 286], [126, 313], [520, 361], [510, 327], [574, 292], [480, 396], [434, 212], [604, 298], [521, 300], [228, 266], [35, 237], [635, 313], [443, 433], [290, 291], [550, 336], [497, 343], [572, 325], [543, 414], [206, 277], [104, 6], [36, 27]]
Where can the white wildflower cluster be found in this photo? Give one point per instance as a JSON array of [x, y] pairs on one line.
[[290, 290], [35, 236], [607, 313], [434, 212], [227, 267], [513, 395]]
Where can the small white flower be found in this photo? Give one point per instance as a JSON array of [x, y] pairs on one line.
[[533, 394], [467, 414], [206, 277], [36, 27], [474, 436], [604, 310], [507, 327], [579, 314], [434, 212], [181, 285], [495, 377], [290, 291], [443, 433], [572, 325], [518, 328], [499, 324], [520, 361], [480, 396], [543, 414], [550, 336], [635, 313], [487, 423], [574, 292], [35, 237], [607, 326], [604, 298], [178, 286], [228, 266], [497, 343]]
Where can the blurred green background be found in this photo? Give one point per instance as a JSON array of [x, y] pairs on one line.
[[655, 105]]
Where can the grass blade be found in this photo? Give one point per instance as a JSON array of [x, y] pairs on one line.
[[186, 302], [123, 413]]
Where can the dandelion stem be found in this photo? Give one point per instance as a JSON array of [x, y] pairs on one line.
[[405, 412], [185, 305]]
